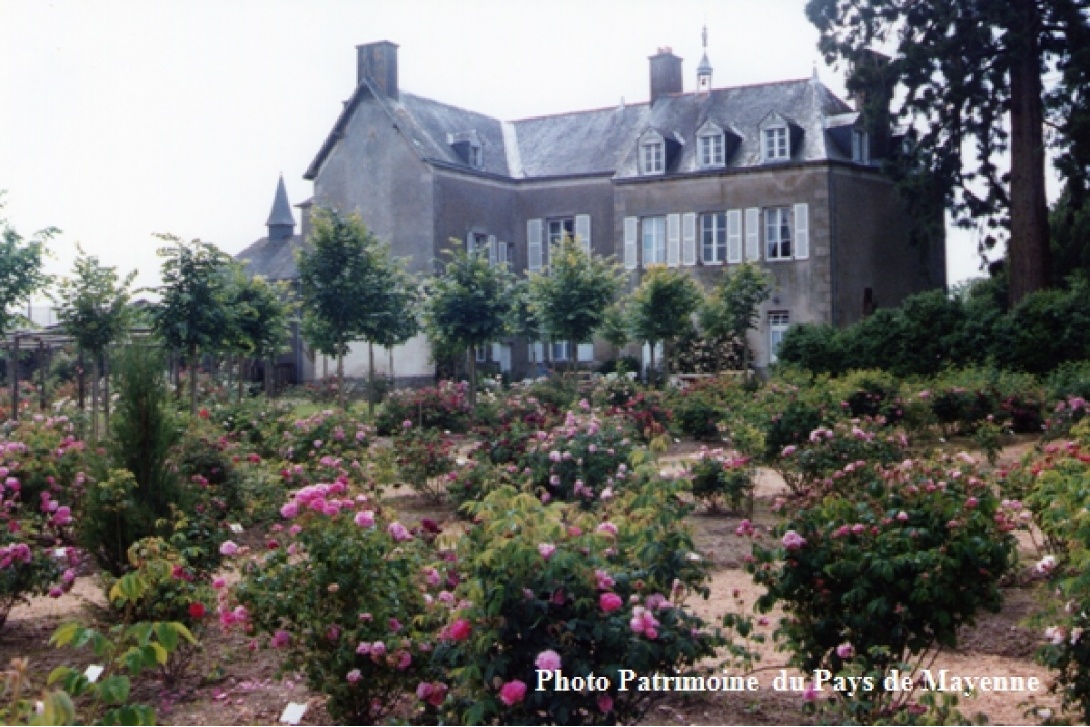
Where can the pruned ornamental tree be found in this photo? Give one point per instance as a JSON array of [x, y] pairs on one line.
[[730, 311], [260, 311], [970, 76], [394, 321], [661, 308], [193, 314], [94, 311], [345, 280], [571, 298], [20, 267], [469, 305]]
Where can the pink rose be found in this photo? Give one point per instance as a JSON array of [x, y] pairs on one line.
[[547, 660], [399, 532], [845, 650], [289, 510], [546, 550], [228, 548], [513, 692], [610, 602], [605, 704], [460, 630], [365, 519], [353, 676], [793, 541]]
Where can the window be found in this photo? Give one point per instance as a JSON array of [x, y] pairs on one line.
[[778, 233], [654, 240], [480, 354], [711, 150], [651, 157], [558, 351], [475, 159], [860, 147], [477, 243], [713, 234], [775, 144], [556, 230], [777, 326]]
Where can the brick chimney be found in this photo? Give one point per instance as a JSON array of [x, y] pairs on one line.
[[378, 62], [665, 73]]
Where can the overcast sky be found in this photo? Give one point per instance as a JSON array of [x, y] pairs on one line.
[[121, 119]]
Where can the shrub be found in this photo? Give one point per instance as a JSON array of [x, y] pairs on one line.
[[342, 600], [444, 407], [582, 460], [719, 480], [325, 434], [423, 457], [698, 409], [585, 593], [830, 454], [815, 347], [883, 575]]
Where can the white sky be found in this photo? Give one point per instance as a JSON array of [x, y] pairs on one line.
[[123, 118]]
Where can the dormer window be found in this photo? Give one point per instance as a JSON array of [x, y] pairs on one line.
[[467, 145], [860, 146], [711, 146], [652, 157], [775, 143]]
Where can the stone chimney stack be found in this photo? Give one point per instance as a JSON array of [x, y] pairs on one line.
[[665, 73], [871, 85], [378, 62]]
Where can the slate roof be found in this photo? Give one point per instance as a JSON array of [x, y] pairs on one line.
[[603, 141], [272, 259], [281, 209]]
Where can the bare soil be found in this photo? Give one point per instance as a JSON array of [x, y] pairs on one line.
[[233, 682]]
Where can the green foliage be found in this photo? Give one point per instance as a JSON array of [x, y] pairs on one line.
[[445, 407], [720, 480], [424, 456], [94, 303], [663, 304], [698, 409], [881, 573], [260, 312], [20, 268], [345, 605], [731, 309], [597, 592], [469, 304], [570, 300]]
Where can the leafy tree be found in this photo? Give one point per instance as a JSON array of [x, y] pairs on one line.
[[615, 327], [260, 311], [349, 288], [20, 267], [524, 318], [571, 299], [661, 308], [193, 313], [469, 305], [393, 321], [731, 310], [94, 310], [971, 72]]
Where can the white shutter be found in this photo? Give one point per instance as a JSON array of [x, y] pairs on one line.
[[533, 245], [492, 251], [582, 231], [688, 239], [802, 231], [501, 252], [734, 236], [630, 229], [469, 243], [585, 352], [537, 352], [673, 240], [753, 234]]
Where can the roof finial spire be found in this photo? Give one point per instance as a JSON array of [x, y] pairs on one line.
[[704, 70]]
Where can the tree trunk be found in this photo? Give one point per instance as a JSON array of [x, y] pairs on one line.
[[268, 383], [573, 355], [13, 374], [651, 371], [370, 380], [94, 398], [81, 382], [666, 361], [472, 369], [241, 377], [1028, 248], [745, 358], [340, 380], [106, 393], [193, 383]]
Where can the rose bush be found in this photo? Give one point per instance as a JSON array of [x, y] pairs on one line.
[[551, 586], [720, 479], [893, 566], [340, 592]]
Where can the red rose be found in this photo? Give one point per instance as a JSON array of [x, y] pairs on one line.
[[460, 630], [196, 609]]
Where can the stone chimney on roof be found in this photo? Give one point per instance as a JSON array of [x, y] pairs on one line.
[[378, 62], [665, 73]]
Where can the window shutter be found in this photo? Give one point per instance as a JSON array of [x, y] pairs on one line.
[[630, 228], [585, 352], [688, 239], [533, 245], [469, 243], [582, 231], [492, 251], [802, 231], [753, 234], [673, 240], [501, 252], [734, 236]]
